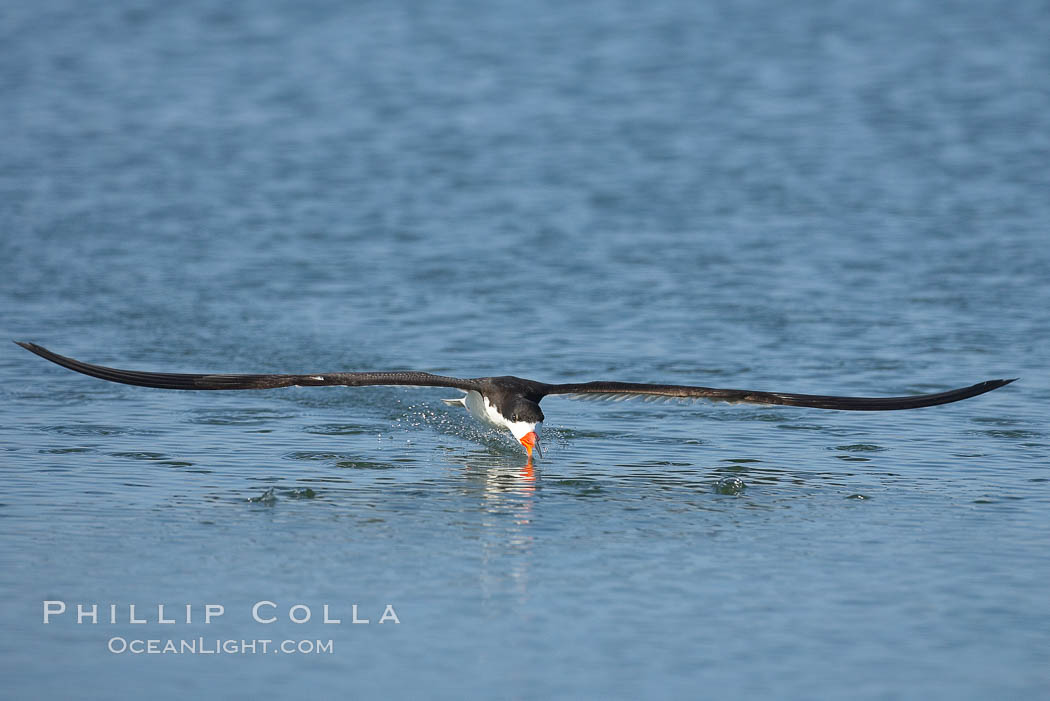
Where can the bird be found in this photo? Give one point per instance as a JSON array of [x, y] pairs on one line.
[[508, 402]]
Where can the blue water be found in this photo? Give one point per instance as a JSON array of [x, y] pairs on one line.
[[836, 197]]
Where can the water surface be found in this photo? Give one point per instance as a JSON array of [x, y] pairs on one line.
[[825, 198]]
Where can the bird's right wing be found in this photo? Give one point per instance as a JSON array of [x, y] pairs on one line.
[[169, 380]]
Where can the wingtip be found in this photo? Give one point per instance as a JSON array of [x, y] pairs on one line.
[[35, 348]]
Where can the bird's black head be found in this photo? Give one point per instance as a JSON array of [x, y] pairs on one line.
[[525, 410], [525, 422]]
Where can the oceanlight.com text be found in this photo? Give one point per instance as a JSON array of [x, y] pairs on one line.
[[217, 646]]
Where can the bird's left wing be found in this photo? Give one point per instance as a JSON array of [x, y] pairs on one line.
[[168, 380], [627, 390]]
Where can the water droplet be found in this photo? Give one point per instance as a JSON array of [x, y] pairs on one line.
[[268, 498], [730, 485]]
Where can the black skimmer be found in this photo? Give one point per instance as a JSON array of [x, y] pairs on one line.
[[508, 402]]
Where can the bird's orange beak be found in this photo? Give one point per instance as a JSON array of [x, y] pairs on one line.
[[529, 441]]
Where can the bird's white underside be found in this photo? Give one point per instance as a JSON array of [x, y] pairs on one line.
[[483, 410]]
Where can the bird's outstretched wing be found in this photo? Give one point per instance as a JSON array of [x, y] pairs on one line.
[[168, 380], [613, 391], [587, 390]]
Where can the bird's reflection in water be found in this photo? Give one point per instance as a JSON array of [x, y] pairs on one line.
[[503, 485], [506, 498], [528, 473]]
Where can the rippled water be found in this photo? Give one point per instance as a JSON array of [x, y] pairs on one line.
[[826, 198]]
